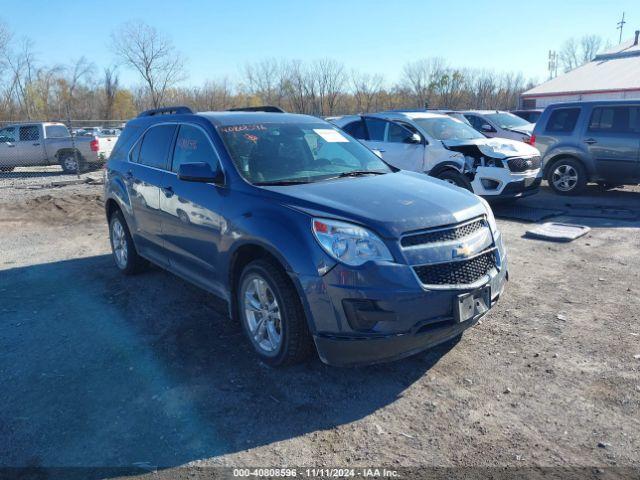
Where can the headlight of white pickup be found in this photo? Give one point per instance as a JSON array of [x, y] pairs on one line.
[[490, 218], [349, 243]]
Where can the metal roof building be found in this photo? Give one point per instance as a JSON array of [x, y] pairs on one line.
[[614, 74]]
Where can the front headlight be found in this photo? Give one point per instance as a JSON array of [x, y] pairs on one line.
[[490, 218], [349, 243]]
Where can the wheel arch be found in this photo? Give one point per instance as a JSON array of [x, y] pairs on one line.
[[444, 166], [549, 163]]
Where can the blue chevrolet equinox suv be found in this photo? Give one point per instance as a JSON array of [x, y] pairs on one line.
[[310, 237]]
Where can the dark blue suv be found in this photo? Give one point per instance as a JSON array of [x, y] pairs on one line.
[[309, 236]]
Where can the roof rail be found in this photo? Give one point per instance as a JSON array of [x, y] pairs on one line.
[[166, 111], [262, 108]]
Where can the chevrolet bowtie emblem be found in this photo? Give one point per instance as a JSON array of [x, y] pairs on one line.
[[461, 251]]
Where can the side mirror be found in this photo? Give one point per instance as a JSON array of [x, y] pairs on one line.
[[200, 172], [414, 138], [487, 128]]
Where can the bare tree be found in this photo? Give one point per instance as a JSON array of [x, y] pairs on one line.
[[152, 55], [421, 77], [267, 80], [330, 78], [110, 88], [366, 89], [577, 52]]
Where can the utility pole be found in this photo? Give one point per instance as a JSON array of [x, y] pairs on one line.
[[553, 64], [620, 26]]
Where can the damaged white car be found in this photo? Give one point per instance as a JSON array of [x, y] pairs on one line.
[[449, 149]]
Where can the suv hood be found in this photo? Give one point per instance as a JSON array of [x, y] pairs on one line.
[[492, 147], [390, 204]]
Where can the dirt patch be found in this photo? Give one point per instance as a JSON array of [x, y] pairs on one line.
[[54, 209]]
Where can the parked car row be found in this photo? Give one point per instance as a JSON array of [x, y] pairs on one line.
[[46, 143], [448, 148], [315, 242]]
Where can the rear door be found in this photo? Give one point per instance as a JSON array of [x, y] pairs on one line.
[[612, 137], [30, 145], [148, 163], [192, 212]]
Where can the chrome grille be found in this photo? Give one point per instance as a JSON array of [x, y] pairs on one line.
[[456, 273], [445, 234], [523, 164]]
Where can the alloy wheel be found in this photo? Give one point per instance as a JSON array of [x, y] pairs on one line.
[[262, 314], [119, 243], [564, 177]]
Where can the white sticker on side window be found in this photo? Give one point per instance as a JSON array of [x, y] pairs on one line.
[[330, 135]]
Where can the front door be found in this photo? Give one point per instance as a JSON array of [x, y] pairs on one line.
[[30, 145], [144, 178], [192, 212], [395, 143], [612, 137], [8, 148]]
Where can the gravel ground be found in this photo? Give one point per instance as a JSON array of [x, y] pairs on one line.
[[104, 370]]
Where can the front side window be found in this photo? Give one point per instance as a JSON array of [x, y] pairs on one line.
[[398, 134], [154, 151], [563, 120], [8, 135], [447, 128], [615, 120], [281, 153], [475, 121], [56, 131], [193, 146], [29, 133]]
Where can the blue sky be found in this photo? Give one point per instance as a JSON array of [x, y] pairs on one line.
[[376, 36]]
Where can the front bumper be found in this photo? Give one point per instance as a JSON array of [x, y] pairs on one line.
[[407, 317], [496, 182]]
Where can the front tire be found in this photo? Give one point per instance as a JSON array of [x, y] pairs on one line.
[[123, 249], [455, 178], [271, 314], [567, 176]]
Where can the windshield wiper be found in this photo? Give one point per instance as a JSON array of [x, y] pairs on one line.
[[281, 182], [358, 173]]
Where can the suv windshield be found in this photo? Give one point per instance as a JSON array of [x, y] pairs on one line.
[[507, 120], [288, 153], [447, 128]]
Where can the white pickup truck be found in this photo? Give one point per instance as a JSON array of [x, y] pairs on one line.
[[46, 143]]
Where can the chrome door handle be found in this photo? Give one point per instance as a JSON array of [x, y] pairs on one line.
[[590, 141]]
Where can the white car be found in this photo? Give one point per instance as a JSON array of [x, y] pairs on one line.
[[496, 123], [449, 149]]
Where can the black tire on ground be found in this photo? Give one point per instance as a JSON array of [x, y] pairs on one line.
[[72, 163], [134, 263], [455, 178], [6, 169], [575, 176], [296, 344]]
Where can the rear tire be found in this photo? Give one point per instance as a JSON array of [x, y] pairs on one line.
[[271, 314], [567, 176], [455, 178], [72, 163], [123, 249]]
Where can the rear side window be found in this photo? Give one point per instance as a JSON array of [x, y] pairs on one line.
[[56, 131], [356, 130], [192, 145], [621, 119], [375, 127], [29, 133], [563, 120], [126, 139], [154, 151]]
